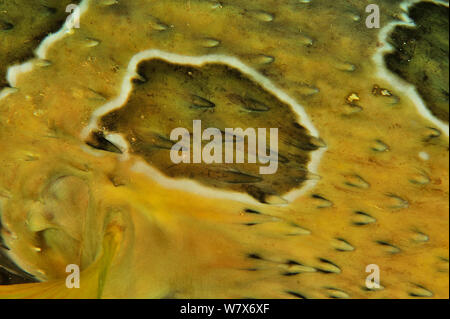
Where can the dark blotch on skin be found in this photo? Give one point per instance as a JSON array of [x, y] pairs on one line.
[[5, 26], [254, 256], [296, 295], [175, 95], [99, 142], [252, 211]]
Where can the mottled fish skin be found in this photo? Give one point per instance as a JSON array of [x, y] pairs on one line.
[[23, 25], [380, 190]]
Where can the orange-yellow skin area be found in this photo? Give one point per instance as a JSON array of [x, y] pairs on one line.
[[173, 243]]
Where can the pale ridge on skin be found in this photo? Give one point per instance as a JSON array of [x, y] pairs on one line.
[[188, 185], [397, 82]]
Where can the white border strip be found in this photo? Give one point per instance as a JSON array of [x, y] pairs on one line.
[[188, 185], [394, 80]]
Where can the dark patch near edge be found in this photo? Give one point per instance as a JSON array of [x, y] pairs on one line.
[[421, 55], [10, 273]]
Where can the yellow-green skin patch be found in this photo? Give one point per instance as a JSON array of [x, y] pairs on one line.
[[23, 25]]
